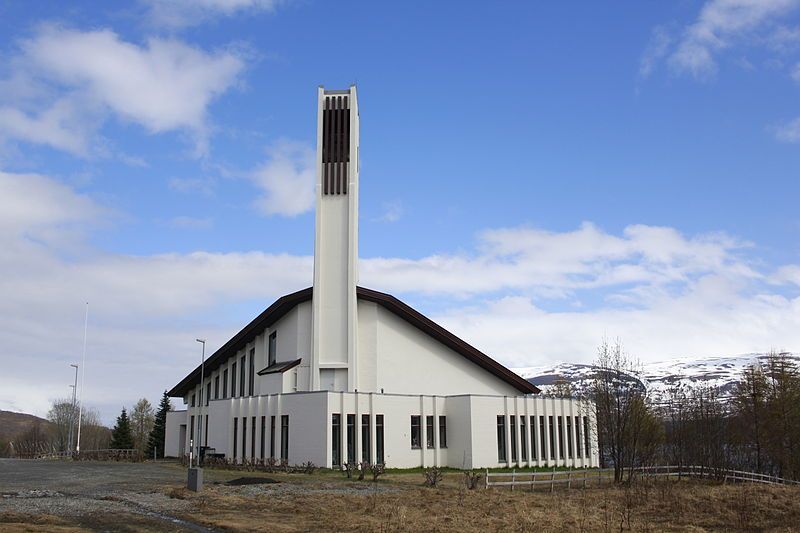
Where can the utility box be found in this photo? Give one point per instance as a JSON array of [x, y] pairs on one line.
[[195, 479]]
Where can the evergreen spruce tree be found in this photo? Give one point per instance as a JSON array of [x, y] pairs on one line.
[[121, 438], [155, 444]]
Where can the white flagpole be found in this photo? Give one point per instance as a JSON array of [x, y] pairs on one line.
[[83, 375]]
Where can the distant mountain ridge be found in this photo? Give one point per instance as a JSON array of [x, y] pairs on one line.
[[13, 424], [721, 372]]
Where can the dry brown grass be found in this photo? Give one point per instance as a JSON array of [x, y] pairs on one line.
[[654, 506], [18, 523]]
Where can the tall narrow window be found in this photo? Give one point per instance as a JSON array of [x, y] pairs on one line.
[[560, 437], [501, 438], [336, 439], [379, 439], [205, 433], [552, 437], [216, 387], [442, 431], [523, 438], [542, 438], [233, 380], [272, 437], [534, 451], [578, 442], [416, 430], [251, 384], [235, 436], [569, 437], [253, 438], [225, 384], [272, 349], [194, 400], [191, 430], [263, 435], [366, 452], [429, 438], [244, 437], [284, 437], [513, 421], [208, 392], [242, 371], [351, 438], [586, 437]]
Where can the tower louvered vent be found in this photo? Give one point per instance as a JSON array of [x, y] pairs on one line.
[[335, 145]]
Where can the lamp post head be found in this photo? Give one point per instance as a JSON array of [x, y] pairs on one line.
[[201, 340], [74, 366]]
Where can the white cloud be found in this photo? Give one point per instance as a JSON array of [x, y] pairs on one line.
[[392, 211], [657, 48], [181, 13], [204, 186], [795, 73], [719, 24], [287, 180], [664, 293], [186, 222], [789, 132], [163, 85]]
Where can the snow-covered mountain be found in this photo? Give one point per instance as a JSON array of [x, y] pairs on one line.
[[720, 372]]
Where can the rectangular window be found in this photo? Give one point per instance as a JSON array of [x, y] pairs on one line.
[[552, 438], [429, 440], [191, 430], [244, 437], [513, 421], [235, 436], [523, 438], [233, 380], [194, 400], [205, 433], [560, 437], [263, 435], [253, 438], [272, 437], [272, 348], [442, 431], [569, 437], [351, 438], [242, 371], [216, 388], [379, 439], [542, 439], [251, 384], [534, 451], [208, 392], [366, 452], [284, 437], [336, 438], [586, 437], [501, 438], [225, 384], [416, 437], [578, 436]]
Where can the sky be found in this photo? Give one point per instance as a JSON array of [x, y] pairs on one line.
[[534, 176]]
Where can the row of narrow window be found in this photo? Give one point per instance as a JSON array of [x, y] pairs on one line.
[[244, 364], [554, 431], [366, 445], [430, 434], [284, 437]]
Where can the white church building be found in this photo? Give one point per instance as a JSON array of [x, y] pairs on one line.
[[339, 373]]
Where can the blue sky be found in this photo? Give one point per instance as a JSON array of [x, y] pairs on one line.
[[534, 176]]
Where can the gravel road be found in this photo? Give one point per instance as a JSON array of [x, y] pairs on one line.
[[95, 495]]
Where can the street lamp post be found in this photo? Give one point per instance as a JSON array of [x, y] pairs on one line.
[[195, 481], [72, 414]]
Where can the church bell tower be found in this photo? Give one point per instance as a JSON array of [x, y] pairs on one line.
[[334, 358]]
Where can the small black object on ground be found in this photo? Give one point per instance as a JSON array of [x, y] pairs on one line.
[[250, 481]]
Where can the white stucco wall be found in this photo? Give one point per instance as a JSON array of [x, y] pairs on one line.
[[172, 443]]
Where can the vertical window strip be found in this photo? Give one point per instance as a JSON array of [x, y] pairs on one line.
[[284, 438], [442, 431], [366, 452], [416, 440], [235, 436], [244, 437], [501, 438], [336, 439], [513, 424], [272, 437], [523, 438], [429, 435], [351, 438], [263, 436], [379, 439]]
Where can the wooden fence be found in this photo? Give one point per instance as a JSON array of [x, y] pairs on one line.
[[596, 477]]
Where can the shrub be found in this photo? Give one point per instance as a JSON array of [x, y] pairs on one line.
[[377, 470], [433, 476], [471, 479]]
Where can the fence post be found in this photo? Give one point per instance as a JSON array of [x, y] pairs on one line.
[[569, 480], [533, 481], [487, 479], [513, 478], [585, 472], [553, 480]]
